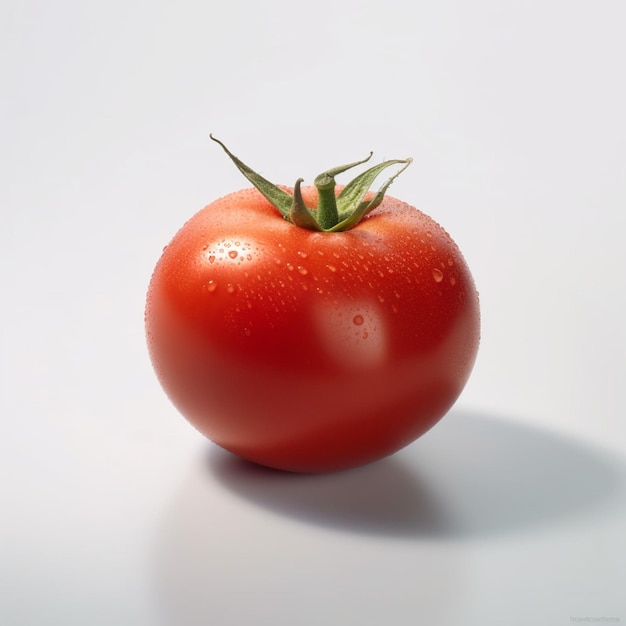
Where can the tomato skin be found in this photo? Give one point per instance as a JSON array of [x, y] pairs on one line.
[[309, 351]]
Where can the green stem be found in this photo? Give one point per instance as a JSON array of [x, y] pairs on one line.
[[334, 212], [327, 214], [327, 211]]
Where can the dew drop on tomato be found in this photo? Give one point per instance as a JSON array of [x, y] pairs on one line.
[[437, 275]]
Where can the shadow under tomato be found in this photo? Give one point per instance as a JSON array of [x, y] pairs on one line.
[[469, 477], [384, 497], [217, 560]]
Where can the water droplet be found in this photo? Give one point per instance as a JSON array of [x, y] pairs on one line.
[[452, 280], [165, 248], [290, 266], [381, 299], [429, 234], [247, 332], [233, 254], [358, 320], [450, 262], [212, 286], [365, 335], [332, 268], [304, 255], [204, 247], [212, 259], [437, 275], [303, 270], [230, 288]]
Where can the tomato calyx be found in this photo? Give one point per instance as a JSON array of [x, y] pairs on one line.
[[334, 212]]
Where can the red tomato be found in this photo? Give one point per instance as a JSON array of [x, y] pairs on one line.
[[306, 350]]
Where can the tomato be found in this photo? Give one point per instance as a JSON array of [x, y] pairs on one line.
[[311, 350]]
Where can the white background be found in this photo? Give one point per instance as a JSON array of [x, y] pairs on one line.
[[113, 510]]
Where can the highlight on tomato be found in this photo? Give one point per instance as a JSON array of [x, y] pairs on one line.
[[312, 328]]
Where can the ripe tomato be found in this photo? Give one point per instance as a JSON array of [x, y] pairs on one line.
[[308, 350]]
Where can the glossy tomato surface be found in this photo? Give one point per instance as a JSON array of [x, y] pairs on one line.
[[311, 351]]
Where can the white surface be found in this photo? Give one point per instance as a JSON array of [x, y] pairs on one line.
[[511, 511]]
